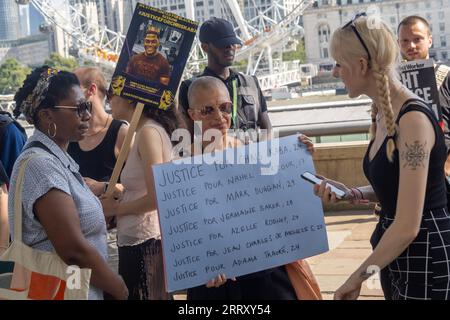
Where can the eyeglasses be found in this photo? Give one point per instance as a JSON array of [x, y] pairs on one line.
[[82, 107], [207, 111], [351, 23]]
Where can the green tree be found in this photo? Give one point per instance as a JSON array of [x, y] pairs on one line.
[[12, 76], [58, 62], [298, 54]]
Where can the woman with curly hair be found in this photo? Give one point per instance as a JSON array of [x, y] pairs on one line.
[[60, 213]]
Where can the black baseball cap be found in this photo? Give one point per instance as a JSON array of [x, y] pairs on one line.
[[219, 32]]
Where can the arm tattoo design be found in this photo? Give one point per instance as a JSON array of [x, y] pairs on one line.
[[415, 155]]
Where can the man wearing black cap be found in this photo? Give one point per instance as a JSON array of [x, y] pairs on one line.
[[219, 42]]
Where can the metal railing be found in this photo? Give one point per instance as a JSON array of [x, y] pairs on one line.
[[325, 128], [315, 129], [321, 105]]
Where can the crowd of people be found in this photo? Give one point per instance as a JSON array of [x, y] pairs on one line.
[[66, 210]]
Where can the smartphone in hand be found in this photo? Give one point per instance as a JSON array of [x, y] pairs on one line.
[[308, 176]]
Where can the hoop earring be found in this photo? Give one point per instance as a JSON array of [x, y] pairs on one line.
[[54, 130]]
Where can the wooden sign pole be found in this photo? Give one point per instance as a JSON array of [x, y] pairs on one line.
[[125, 148]]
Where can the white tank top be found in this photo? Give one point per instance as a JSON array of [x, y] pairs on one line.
[[134, 229]]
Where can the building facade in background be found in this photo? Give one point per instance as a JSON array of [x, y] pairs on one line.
[[36, 20], [21, 38], [251, 8], [31, 50], [203, 9], [319, 21], [24, 21], [117, 14], [9, 20], [326, 16]]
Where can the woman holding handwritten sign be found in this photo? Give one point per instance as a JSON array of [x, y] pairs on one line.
[[404, 164], [138, 232], [210, 104]]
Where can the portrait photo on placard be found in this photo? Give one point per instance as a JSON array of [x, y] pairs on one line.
[[153, 56]]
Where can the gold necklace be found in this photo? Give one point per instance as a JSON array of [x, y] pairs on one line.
[[104, 127]]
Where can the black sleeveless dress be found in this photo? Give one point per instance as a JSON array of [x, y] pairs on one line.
[[422, 271], [98, 163]]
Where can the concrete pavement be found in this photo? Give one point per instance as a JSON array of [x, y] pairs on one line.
[[348, 237]]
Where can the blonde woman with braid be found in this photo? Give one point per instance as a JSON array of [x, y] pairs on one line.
[[404, 165]]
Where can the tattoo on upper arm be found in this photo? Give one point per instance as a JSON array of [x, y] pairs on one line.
[[415, 155]]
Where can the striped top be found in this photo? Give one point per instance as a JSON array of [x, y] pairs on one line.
[[60, 172]]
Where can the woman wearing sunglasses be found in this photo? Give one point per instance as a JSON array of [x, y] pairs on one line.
[[404, 164], [60, 213], [138, 232], [210, 107]]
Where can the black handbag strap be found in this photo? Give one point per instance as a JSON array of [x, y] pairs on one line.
[[38, 144]]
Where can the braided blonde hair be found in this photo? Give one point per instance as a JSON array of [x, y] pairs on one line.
[[384, 94], [385, 55]]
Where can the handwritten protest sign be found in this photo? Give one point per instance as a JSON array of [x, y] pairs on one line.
[[153, 56], [230, 218], [419, 77]]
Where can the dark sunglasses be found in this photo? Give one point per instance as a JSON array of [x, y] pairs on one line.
[[209, 110], [351, 23], [81, 108]]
